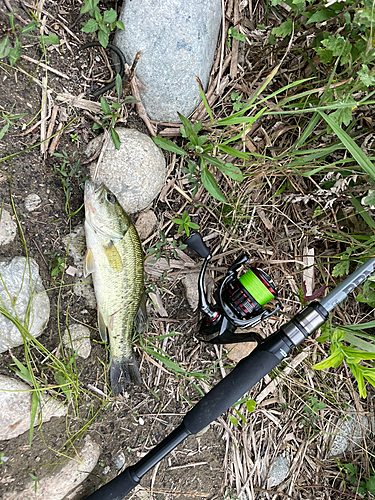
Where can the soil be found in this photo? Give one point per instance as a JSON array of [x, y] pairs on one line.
[[159, 408], [203, 466]]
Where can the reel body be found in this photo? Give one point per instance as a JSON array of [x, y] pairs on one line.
[[238, 301]]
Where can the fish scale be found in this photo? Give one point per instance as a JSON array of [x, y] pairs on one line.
[[115, 259]]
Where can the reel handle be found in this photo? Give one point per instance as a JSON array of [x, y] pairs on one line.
[[195, 242]]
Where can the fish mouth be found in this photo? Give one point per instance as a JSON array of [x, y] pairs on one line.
[[95, 191], [95, 195]]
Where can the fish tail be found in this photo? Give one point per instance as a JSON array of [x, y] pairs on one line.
[[124, 372]]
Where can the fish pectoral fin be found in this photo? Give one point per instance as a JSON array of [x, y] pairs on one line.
[[140, 318], [103, 329], [113, 257], [88, 263]]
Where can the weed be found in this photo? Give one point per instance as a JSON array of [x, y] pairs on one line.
[[35, 479], [233, 33], [9, 118], [357, 351], [12, 48], [166, 248], [102, 24], [311, 410], [185, 224], [113, 112], [362, 486], [56, 263], [68, 171]]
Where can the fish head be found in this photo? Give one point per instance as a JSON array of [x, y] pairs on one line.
[[103, 211]]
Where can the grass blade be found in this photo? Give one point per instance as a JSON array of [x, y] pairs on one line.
[[356, 152]]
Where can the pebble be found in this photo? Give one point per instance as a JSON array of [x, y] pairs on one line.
[[135, 173], [279, 469], [32, 202], [15, 408], [178, 41], [78, 337], [8, 228], [145, 224], [348, 434], [190, 282], [16, 283], [119, 460], [64, 478]]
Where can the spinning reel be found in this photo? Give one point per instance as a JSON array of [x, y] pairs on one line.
[[239, 301]]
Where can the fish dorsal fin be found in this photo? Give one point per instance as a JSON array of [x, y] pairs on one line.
[[88, 263], [113, 256], [140, 318], [103, 330]]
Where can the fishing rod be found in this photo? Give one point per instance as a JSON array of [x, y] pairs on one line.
[[239, 303]]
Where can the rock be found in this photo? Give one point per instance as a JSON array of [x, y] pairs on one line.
[[78, 337], [178, 41], [119, 460], [190, 282], [75, 243], [8, 228], [145, 224], [21, 293], [239, 351], [63, 478], [15, 408], [135, 173], [32, 202], [349, 433], [279, 469]]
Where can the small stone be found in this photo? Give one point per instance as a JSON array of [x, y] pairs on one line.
[[135, 173], [21, 294], [62, 479], [119, 460], [106, 470], [15, 408], [32, 202], [190, 282], [8, 228], [141, 421], [145, 224], [78, 337], [178, 41], [349, 433], [71, 271], [240, 350], [279, 469]]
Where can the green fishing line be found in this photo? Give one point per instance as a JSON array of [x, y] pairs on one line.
[[256, 288]]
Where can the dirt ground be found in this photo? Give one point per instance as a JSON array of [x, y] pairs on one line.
[[211, 465]]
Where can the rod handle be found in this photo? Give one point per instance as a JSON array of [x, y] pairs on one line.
[[117, 488], [240, 380]]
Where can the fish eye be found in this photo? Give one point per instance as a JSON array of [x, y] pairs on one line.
[[111, 198]]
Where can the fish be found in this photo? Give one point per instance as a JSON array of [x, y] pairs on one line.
[[114, 258]]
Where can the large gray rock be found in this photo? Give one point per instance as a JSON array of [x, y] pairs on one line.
[[64, 478], [20, 296], [135, 173], [178, 40], [15, 408]]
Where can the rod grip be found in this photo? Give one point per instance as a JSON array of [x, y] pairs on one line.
[[117, 488], [241, 379]]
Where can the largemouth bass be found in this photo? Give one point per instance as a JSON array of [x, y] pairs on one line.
[[114, 257]]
